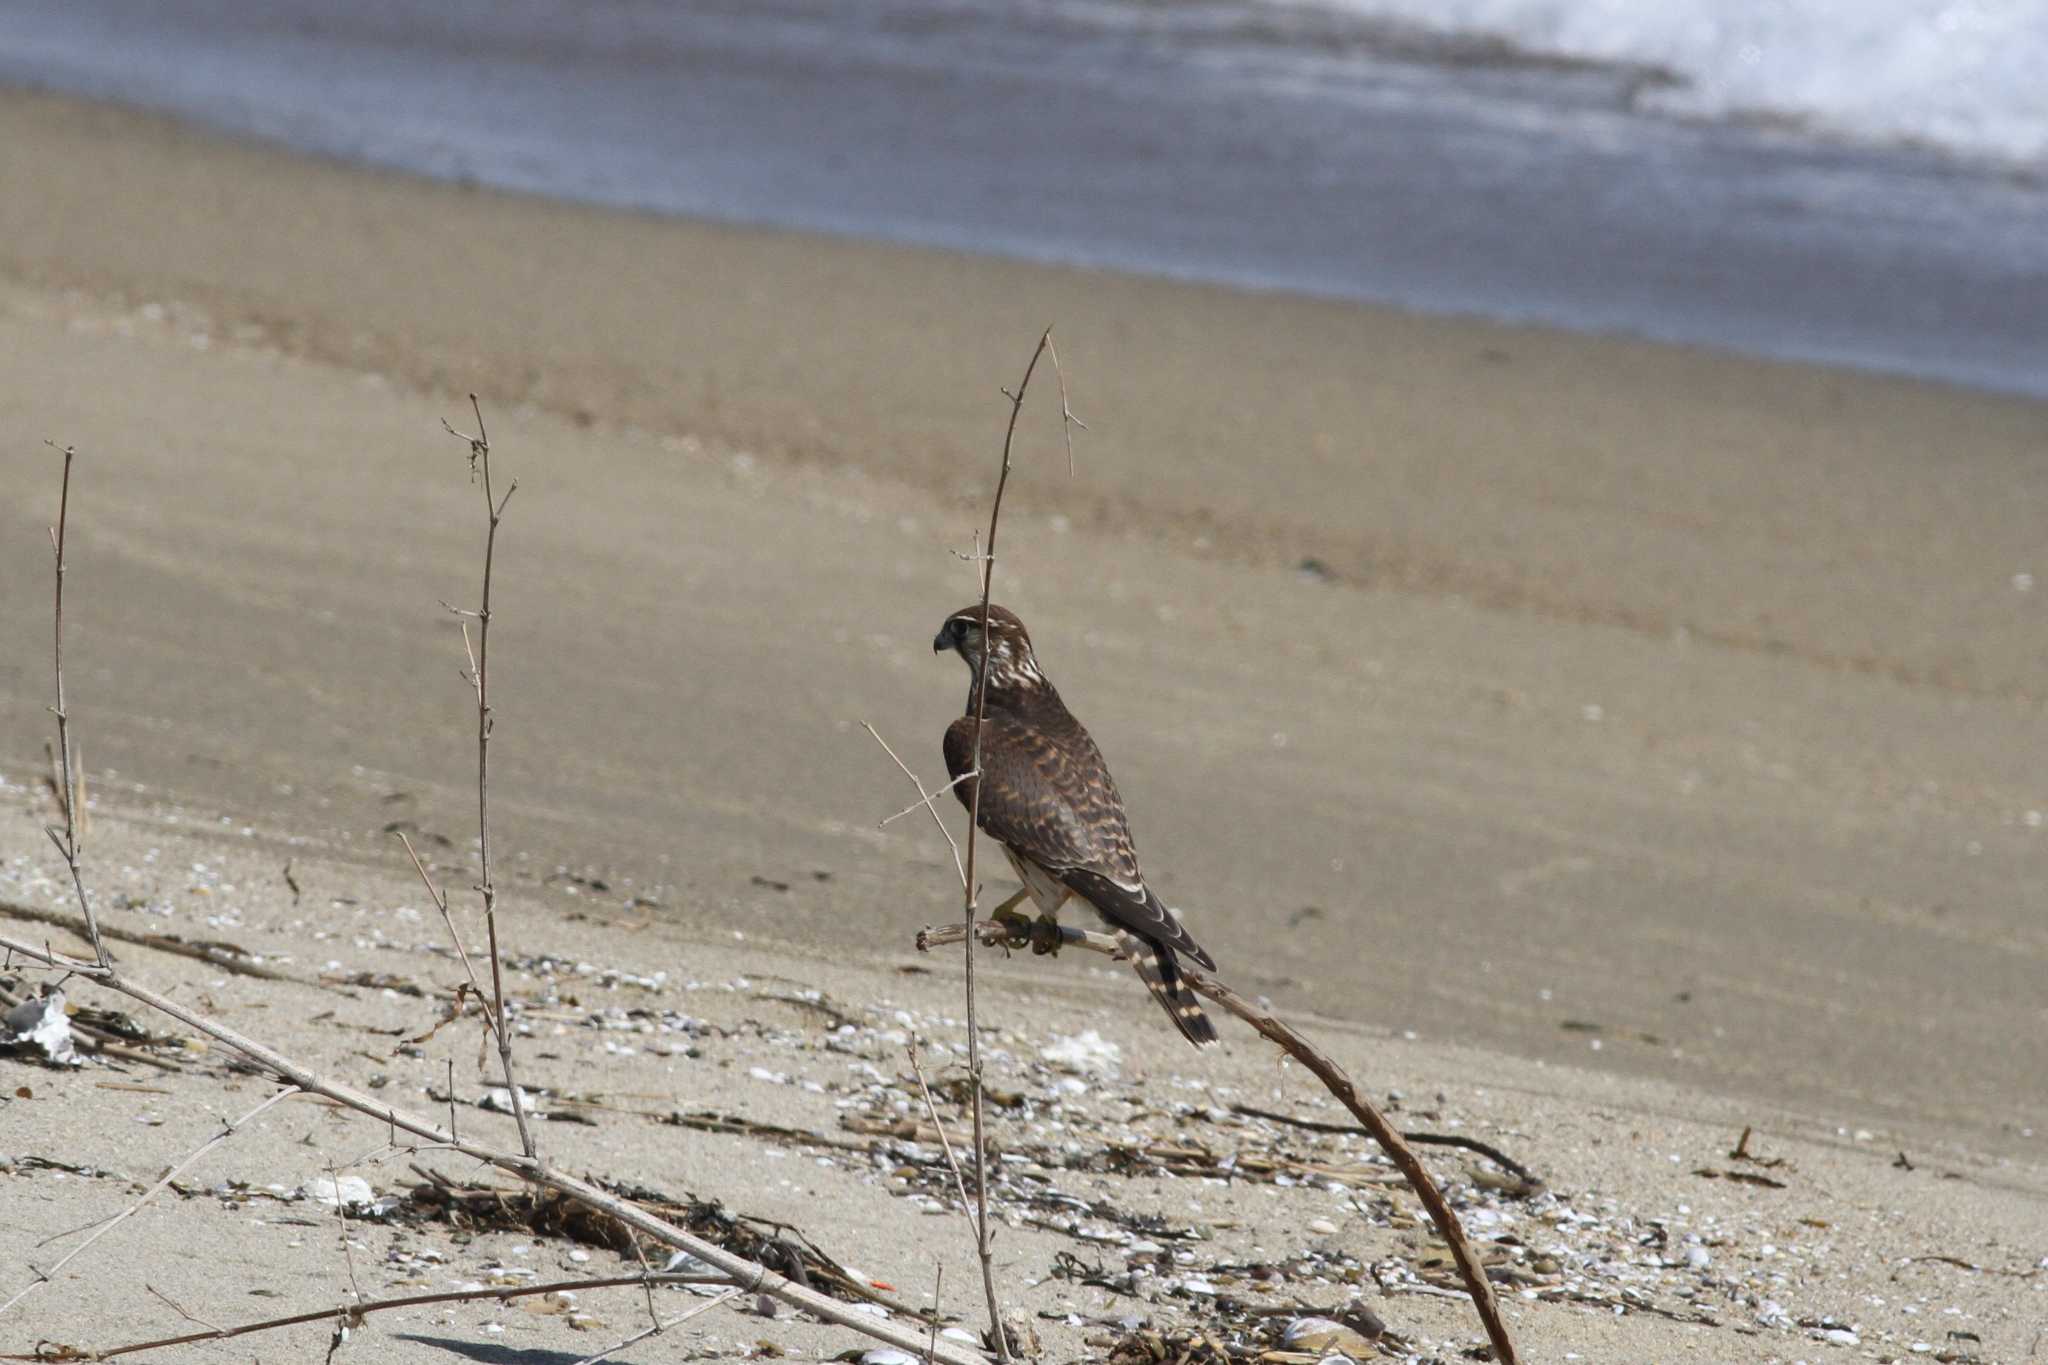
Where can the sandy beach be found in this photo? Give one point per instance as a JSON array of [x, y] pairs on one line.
[[1625, 744]]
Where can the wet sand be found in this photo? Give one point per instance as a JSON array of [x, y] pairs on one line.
[[1665, 713]]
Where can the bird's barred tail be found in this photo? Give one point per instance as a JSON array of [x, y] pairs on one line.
[[1162, 976]]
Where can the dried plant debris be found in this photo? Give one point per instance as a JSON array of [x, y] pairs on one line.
[[778, 1246], [1062, 1115], [1283, 1338]]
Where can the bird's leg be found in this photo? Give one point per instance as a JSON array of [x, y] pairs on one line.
[[1015, 925], [1045, 935]]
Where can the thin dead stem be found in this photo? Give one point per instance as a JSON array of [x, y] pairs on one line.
[[659, 1326], [67, 843], [179, 1308], [945, 1142], [480, 682], [988, 578], [938, 1285], [440, 900], [350, 1313], [1068, 421], [996, 933], [926, 801], [43, 1277]]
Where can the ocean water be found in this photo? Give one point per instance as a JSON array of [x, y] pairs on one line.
[[1862, 182]]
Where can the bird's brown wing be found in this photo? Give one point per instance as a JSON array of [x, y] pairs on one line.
[[1047, 794]]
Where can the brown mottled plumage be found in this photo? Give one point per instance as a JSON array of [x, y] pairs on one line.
[[1048, 799]]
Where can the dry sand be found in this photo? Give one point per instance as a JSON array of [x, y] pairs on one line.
[[1655, 751]]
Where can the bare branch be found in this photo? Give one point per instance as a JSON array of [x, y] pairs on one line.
[[659, 1325], [926, 802], [44, 1277], [1068, 421], [68, 845], [945, 1142], [440, 900], [214, 955], [353, 1312], [988, 578], [480, 679], [918, 782], [179, 1309]]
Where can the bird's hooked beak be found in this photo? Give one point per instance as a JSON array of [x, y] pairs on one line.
[[943, 640]]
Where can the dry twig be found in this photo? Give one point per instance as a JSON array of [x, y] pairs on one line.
[[659, 1326], [224, 956], [440, 899], [350, 1313], [925, 800], [44, 1277], [480, 683], [945, 1142], [1327, 1071], [988, 576], [1458, 1140], [67, 843]]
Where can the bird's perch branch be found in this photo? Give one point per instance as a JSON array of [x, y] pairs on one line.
[[994, 933]]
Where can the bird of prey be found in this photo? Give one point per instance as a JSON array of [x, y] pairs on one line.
[[1047, 798]]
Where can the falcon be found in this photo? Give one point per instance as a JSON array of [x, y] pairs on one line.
[[1048, 800]]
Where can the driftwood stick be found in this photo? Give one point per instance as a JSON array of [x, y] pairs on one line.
[[753, 1278], [350, 1313], [1458, 1140], [211, 955], [995, 933]]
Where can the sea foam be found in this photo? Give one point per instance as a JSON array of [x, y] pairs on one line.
[[1965, 76]]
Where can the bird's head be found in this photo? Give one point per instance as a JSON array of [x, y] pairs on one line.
[[1005, 646]]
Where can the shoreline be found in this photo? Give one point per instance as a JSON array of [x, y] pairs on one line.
[[1316, 171]]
